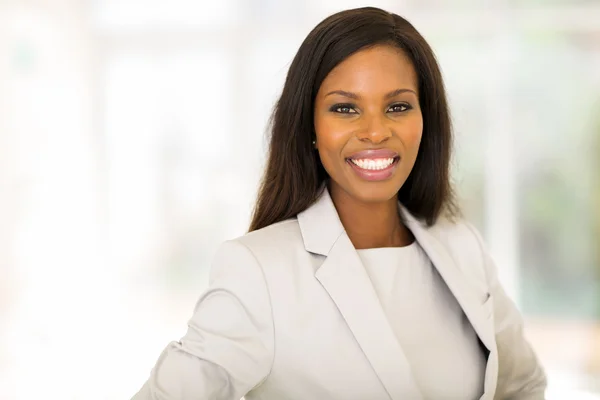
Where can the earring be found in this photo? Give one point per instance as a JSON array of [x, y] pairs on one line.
[[314, 142]]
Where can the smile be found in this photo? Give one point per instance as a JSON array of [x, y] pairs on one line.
[[374, 169], [373, 164]]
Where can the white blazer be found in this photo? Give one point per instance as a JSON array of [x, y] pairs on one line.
[[290, 314]]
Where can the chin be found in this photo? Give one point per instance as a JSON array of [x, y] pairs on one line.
[[374, 192]]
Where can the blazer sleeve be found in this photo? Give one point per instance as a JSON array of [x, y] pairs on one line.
[[520, 375], [228, 348]]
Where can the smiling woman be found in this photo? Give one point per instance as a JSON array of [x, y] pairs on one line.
[[368, 134], [378, 128], [358, 278]]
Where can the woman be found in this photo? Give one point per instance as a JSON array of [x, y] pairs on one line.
[[358, 279]]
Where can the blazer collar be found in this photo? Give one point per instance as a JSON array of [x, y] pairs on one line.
[[343, 276], [320, 225]]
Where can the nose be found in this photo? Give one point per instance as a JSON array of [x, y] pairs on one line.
[[375, 129]]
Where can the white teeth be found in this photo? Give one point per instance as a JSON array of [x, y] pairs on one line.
[[373, 164]]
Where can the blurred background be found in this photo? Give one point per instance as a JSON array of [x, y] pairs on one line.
[[132, 142]]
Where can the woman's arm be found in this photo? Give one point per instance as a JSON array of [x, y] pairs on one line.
[[228, 348], [520, 375]]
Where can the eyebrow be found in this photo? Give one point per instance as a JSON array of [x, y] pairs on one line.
[[357, 97]]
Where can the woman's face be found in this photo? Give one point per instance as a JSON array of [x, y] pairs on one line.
[[368, 123]]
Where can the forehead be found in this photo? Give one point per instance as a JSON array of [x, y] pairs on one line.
[[377, 69]]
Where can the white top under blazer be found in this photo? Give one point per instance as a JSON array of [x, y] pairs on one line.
[[291, 314]]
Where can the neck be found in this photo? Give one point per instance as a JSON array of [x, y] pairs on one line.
[[371, 225]]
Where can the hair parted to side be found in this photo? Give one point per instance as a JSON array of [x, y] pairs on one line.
[[294, 176]]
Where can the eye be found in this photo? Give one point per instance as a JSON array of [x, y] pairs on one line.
[[399, 107], [343, 109]]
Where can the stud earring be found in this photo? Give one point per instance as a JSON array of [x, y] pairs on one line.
[[314, 142]]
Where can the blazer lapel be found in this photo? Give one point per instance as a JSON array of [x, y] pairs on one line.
[[345, 279], [454, 278], [457, 283]]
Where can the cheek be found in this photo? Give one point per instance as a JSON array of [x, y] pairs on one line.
[[332, 136], [331, 133], [411, 134]]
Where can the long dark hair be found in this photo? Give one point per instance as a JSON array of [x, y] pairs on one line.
[[294, 176]]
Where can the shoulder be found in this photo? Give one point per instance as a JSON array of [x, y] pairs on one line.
[[259, 255], [278, 238], [465, 246], [457, 234], [245, 257], [275, 235]]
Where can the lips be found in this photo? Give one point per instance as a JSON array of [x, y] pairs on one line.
[[374, 165]]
